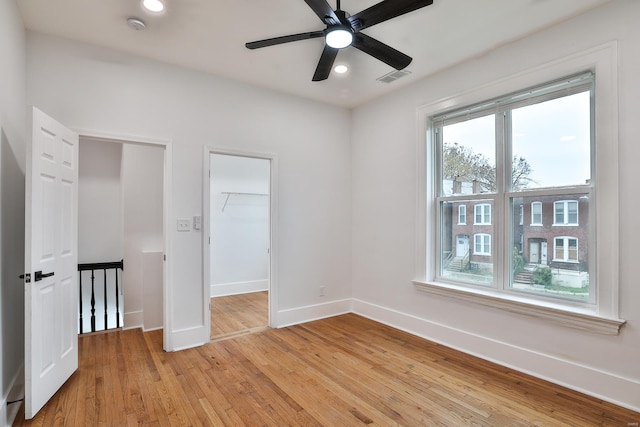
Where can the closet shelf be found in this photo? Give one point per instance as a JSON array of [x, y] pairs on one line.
[[229, 194]]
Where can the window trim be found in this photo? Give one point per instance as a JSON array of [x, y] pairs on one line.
[[601, 318], [482, 244], [533, 223], [565, 213], [565, 249], [483, 208], [461, 208], [521, 215]]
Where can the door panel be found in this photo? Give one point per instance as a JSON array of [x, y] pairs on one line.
[[51, 303], [534, 252]]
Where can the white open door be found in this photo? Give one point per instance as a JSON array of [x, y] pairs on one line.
[[51, 285]]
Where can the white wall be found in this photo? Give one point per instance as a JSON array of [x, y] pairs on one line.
[[385, 226], [102, 90], [142, 175], [13, 136], [100, 232], [240, 233]]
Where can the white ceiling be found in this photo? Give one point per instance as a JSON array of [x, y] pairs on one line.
[[209, 35]]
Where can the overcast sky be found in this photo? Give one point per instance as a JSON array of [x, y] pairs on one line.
[[554, 137]]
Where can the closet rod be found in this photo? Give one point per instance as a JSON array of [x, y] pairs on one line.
[[229, 193]]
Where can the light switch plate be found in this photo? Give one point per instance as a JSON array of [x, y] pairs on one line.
[[184, 224], [197, 222]]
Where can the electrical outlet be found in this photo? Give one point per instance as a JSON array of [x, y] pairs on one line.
[[184, 224], [321, 291]]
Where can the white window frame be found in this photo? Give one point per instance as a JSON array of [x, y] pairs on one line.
[[601, 317], [565, 213], [533, 220], [462, 213], [565, 249], [485, 214], [485, 242], [521, 222]]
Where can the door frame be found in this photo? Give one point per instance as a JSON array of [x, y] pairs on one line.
[[273, 232], [167, 301]]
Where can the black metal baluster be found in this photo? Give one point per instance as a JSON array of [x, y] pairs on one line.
[[81, 327], [106, 325], [101, 266], [117, 301], [93, 303]]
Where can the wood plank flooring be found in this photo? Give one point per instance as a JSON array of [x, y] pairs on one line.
[[342, 371], [237, 314]]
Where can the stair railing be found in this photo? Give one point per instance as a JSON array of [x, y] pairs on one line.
[[104, 267]]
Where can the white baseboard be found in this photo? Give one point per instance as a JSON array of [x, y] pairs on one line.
[[237, 288], [593, 382], [309, 313], [187, 338], [16, 392], [133, 320]]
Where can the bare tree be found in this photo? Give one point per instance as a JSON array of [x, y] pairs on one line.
[[460, 162]]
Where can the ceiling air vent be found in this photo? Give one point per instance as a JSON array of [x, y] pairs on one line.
[[393, 76]]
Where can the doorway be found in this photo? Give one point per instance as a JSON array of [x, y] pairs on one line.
[[239, 258], [120, 224], [462, 245]]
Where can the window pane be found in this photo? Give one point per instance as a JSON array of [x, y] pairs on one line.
[[469, 159], [552, 143], [572, 209], [536, 213], [551, 258], [466, 249], [559, 212]]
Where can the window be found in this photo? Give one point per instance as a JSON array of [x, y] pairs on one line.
[[521, 215], [482, 244], [462, 214], [482, 214], [565, 212], [530, 148], [565, 249], [491, 121], [536, 213]]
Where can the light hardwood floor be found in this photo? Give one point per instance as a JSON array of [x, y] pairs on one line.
[[239, 314], [342, 371]]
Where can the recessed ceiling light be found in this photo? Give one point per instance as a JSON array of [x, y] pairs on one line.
[[341, 69], [153, 5]]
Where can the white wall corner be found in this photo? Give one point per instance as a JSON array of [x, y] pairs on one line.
[[310, 313], [183, 339], [606, 386], [133, 319]]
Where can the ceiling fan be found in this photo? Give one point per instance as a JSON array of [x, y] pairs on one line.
[[344, 30]]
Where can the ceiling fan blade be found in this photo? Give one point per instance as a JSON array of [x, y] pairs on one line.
[[381, 51], [325, 64], [324, 11], [284, 39], [384, 11]]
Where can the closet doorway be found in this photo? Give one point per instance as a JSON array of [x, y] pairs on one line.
[[239, 243]]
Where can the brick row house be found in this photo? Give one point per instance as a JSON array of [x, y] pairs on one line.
[[546, 231]]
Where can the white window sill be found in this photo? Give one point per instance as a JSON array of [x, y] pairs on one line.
[[572, 317]]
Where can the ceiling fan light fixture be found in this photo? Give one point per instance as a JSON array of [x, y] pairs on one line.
[[153, 5], [341, 69], [339, 37]]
